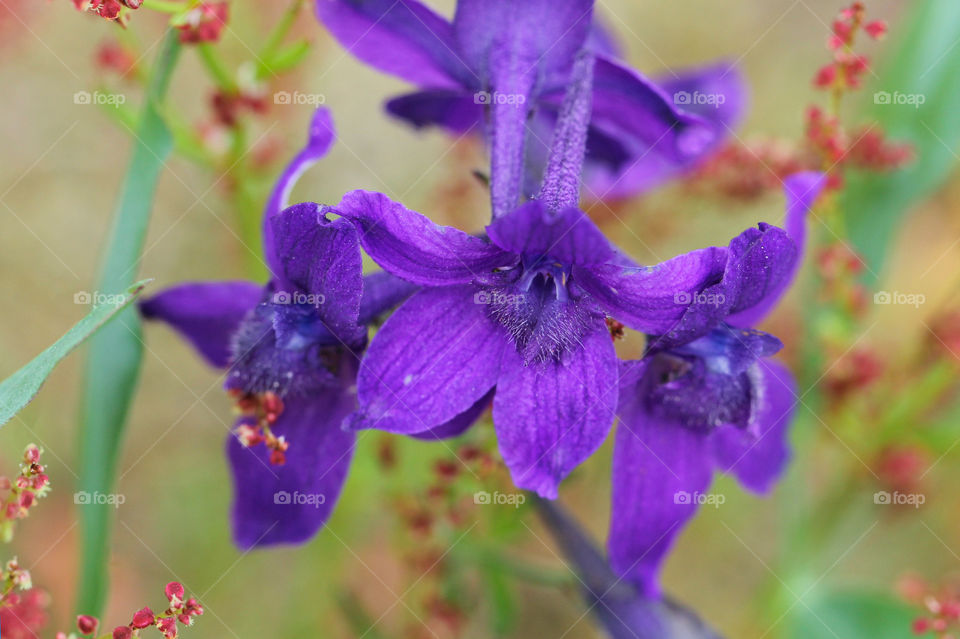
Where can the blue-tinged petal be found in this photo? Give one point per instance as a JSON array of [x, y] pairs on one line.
[[801, 190], [567, 235], [410, 246], [717, 93], [205, 313], [551, 416], [320, 138], [288, 504], [757, 455], [455, 110], [432, 360], [319, 259], [459, 424], [652, 299], [381, 292], [402, 37], [661, 470]]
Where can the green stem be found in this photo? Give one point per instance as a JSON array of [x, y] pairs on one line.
[[216, 68], [113, 361], [276, 37], [163, 6]]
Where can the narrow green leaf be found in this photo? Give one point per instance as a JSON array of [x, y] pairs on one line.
[[20, 388], [289, 57], [920, 66], [113, 361], [851, 614]]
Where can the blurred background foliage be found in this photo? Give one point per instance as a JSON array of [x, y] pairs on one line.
[[817, 559]]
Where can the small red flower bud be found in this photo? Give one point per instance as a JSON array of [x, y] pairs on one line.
[[168, 626], [272, 403], [26, 499], [5, 483], [278, 457], [143, 618], [87, 624], [32, 454], [185, 619], [826, 76], [174, 592], [876, 29], [122, 632]]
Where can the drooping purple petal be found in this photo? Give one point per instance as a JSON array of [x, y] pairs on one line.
[[288, 504], [402, 37], [652, 299], [207, 314], [455, 110], [459, 424], [432, 360], [660, 470], [717, 93], [410, 246], [321, 258], [381, 292], [551, 416], [801, 191], [759, 261], [320, 138], [758, 454], [567, 235]]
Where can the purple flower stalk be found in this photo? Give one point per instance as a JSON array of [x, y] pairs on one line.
[[693, 406], [521, 314], [501, 66]]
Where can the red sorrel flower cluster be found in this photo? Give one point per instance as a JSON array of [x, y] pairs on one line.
[[941, 604], [31, 484], [259, 413], [116, 10], [180, 611], [203, 23]]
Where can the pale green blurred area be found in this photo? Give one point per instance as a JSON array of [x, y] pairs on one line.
[[61, 167]]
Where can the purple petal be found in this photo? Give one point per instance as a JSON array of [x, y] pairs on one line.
[[455, 110], [287, 504], [567, 235], [652, 299], [659, 470], [759, 261], [602, 40], [381, 292], [801, 190], [410, 246], [401, 37], [551, 416], [207, 314], [320, 257], [432, 360], [757, 455], [320, 137], [459, 424], [717, 93]]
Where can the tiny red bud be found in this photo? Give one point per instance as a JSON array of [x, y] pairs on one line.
[[32, 454], [174, 591], [87, 624], [143, 618], [122, 632], [876, 29]]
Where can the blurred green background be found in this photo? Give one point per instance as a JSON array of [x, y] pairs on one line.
[[62, 164]]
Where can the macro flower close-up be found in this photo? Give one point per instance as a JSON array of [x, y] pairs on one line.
[[480, 319]]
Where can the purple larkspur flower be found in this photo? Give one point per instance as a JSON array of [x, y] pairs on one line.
[[299, 337], [500, 68], [521, 313], [694, 406]]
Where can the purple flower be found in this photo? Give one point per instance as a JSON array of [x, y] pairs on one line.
[[523, 312], [292, 345], [693, 406], [500, 68]]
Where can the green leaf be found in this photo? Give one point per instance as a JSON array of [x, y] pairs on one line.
[[113, 361], [923, 61], [289, 57], [855, 613], [20, 388]]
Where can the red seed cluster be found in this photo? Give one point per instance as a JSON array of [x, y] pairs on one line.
[[179, 612], [941, 605], [31, 484], [204, 23], [116, 10], [23, 615], [260, 412], [113, 57], [847, 68]]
